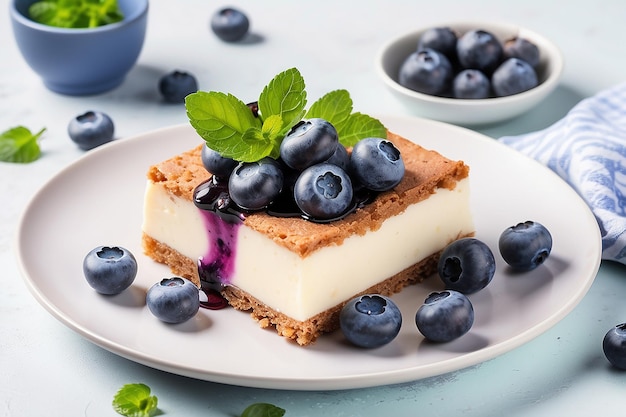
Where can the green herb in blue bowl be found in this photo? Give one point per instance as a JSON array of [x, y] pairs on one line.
[[76, 13], [80, 47]]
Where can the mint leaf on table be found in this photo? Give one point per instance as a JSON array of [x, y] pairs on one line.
[[75, 13], [19, 145], [263, 410], [134, 400]]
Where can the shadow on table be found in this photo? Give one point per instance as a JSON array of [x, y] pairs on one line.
[[552, 109]]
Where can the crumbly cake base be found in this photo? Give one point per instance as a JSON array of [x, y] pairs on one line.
[[302, 332]]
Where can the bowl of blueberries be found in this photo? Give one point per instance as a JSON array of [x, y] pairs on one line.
[[470, 73]]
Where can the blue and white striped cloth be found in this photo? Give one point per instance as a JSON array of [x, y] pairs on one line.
[[587, 148]]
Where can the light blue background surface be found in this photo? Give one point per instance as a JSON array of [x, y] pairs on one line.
[[46, 369]]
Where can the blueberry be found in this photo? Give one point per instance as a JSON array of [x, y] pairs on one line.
[[376, 164], [426, 71], [309, 142], [217, 164], [323, 192], [177, 85], [340, 157], [526, 245], [91, 129], [370, 321], [442, 39], [110, 269], [512, 77], [479, 49], [614, 346], [471, 84], [230, 25], [254, 185], [466, 265], [523, 49], [445, 316], [173, 300]]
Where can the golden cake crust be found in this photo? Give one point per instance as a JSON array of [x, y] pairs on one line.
[[426, 170]]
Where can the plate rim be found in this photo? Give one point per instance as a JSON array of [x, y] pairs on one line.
[[305, 383]]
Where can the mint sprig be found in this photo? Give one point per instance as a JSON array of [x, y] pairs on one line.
[[20, 145], [285, 97], [75, 13], [134, 400], [336, 108], [230, 128], [263, 410]]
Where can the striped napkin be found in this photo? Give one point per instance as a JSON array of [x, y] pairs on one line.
[[587, 148]]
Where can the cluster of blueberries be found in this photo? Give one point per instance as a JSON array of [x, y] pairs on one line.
[[112, 269], [314, 170], [465, 266], [475, 65]]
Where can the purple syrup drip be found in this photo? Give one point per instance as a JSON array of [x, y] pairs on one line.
[[213, 300], [218, 264], [222, 219], [216, 267]]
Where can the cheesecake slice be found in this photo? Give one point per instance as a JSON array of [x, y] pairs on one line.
[[295, 275]]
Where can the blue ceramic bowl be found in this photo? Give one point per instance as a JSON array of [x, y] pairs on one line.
[[81, 61]]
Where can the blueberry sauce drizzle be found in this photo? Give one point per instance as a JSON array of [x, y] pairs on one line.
[[223, 218]]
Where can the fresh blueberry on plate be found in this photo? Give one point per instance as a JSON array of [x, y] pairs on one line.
[[110, 269], [466, 265], [173, 300], [370, 321], [526, 245], [445, 316]]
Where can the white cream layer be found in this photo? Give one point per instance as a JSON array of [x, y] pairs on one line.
[[303, 287]]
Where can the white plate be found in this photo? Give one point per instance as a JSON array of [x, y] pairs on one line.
[[98, 200]]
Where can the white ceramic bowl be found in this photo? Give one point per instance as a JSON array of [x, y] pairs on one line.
[[471, 111]]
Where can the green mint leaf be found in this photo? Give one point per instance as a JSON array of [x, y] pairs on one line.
[[227, 125], [284, 96], [273, 132], [134, 400], [20, 145], [359, 126], [263, 410], [75, 13], [231, 129], [334, 107]]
